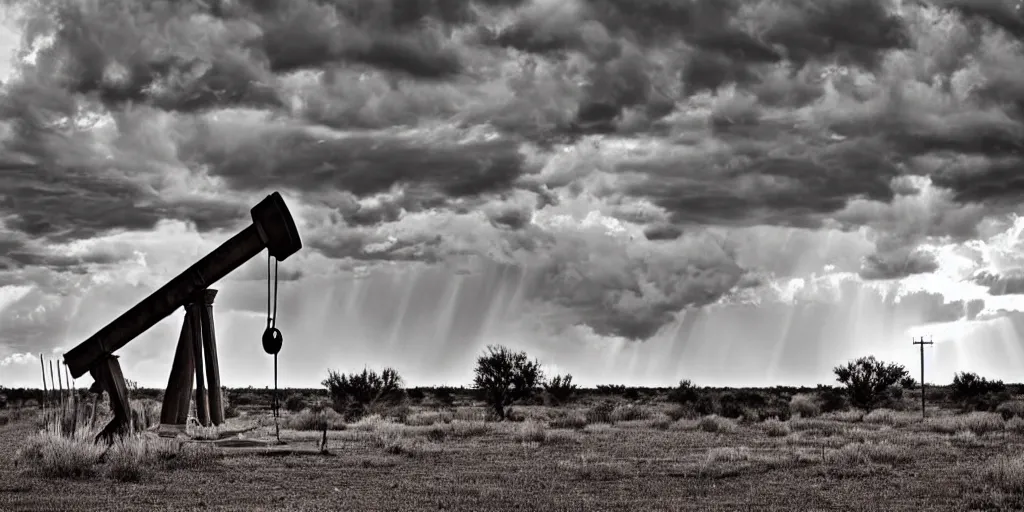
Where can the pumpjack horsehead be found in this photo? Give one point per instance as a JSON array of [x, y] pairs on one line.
[[272, 229]]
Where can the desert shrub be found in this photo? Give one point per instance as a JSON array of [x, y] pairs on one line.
[[244, 399], [601, 413], [775, 428], [659, 421], [868, 380], [444, 395], [805, 405], [415, 394], [315, 420], [717, 424], [560, 388], [611, 389], [1011, 409], [831, 399], [351, 394], [967, 385], [977, 393], [629, 413], [684, 393], [908, 382], [1015, 425], [682, 412], [503, 377], [572, 419], [295, 402], [705, 405], [530, 431]]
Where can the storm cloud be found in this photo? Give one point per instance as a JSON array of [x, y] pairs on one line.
[[637, 158]]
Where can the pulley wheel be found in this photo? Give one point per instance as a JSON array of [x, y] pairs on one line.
[[272, 340]]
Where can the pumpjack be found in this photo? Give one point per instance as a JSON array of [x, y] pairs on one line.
[[272, 229]]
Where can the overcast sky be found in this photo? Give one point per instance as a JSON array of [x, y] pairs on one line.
[[735, 192]]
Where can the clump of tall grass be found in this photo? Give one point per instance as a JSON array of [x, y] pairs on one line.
[[1007, 473], [427, 418], [129, 459], [717, 424], [980, 423], [805, 405], [530, 431], [307, 419], [775, 428], [891, 418], [57, 456], [569, 419]]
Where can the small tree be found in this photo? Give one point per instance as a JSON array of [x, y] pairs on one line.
[[975, 392], [503, 376], [868, 380], [561, 388], [684, 393], [908, 382], [352, 394]]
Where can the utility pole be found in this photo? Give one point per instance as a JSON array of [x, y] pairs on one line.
[[922, 343]]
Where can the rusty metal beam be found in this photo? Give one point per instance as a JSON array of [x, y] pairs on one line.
[[272, 228]]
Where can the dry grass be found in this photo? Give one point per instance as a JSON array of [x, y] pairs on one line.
[[980, 423], [848, 416], [717, 424], [1007, 473], [891, 418], [308, 420], [129, 459], [804, 405], [570, 419], [775, 428], [53, 455], [460, 460]]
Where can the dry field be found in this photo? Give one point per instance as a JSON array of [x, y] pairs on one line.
[[567, 458]]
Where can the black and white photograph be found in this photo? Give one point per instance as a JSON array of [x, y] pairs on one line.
[[512, 255]]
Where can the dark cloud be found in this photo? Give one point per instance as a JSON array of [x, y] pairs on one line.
[[1004, 13], [662, 232], [510, 218], [796, 114], [897, 266], [633, 296], [1009, 283], [758, 188], [365, 164]]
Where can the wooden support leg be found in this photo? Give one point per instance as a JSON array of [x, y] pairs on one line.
[[107, 373], [195, 321], [212, 365], [179, 385]]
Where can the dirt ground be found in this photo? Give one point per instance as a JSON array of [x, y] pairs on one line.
[[891, 464]]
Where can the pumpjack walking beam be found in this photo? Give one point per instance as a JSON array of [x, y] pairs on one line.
[[272, 228]]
